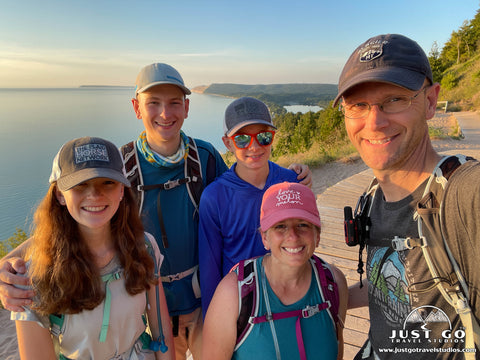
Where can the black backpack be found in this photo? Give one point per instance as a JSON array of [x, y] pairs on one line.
[[193, 179]]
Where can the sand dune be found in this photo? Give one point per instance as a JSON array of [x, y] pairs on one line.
[[8, 337]]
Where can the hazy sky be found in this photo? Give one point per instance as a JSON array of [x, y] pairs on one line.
[[65, 43]]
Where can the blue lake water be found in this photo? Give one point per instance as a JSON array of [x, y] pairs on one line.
[[34, 123]]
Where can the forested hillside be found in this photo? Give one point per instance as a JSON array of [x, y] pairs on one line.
[[456, 66], [280, 94]]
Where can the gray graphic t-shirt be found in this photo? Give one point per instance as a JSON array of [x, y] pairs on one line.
[[405, 322]]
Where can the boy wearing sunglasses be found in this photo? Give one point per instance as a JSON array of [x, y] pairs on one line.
[[230, 206]]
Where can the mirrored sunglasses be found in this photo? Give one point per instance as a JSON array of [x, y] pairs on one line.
[[243, 141]]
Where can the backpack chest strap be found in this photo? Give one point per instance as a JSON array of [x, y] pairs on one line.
[[305, 313], [170, 184], [179, 276], [402, 244]]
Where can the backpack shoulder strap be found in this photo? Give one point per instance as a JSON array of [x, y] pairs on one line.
[[159, 343], [193, 171], [247, 298], [444, 269], [329, 288], [56, 324], [132, 168]]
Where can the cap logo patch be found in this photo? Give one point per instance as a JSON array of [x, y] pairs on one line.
[[288, 197], [241, 109], [372, 51], [91, 152]]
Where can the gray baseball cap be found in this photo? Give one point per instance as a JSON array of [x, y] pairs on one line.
[[389, 58], [87, 158], [245, 111], [159, 74]]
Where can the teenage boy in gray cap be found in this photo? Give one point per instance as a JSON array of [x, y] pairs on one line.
[[387, 94], [230, 206], [169, 192]]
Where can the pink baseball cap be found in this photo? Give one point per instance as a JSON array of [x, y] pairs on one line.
[[288, 201]]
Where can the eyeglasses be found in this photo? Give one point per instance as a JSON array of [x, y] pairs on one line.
[[391, 105], [243, 141]]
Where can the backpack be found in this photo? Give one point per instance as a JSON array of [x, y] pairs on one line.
[[444, 270], [193, 178], [248, 300], [57, 320]]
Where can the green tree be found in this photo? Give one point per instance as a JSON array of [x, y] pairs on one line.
[[374, 272], [436, 62], [382, 285], [19, 236], [399, 292], [475, 31]]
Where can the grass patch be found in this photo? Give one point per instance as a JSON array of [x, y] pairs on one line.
[[317, 155], [437, 133]]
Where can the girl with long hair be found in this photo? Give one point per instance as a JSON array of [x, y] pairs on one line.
[[92, 267]]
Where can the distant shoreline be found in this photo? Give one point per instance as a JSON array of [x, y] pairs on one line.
[[108, 86]]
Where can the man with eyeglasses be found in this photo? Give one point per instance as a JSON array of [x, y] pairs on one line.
[[230, 206], [387, 94]]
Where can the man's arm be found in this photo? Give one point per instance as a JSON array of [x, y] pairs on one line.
[[357, 297], [13, 263]]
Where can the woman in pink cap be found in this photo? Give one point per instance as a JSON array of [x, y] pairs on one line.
[[287, 304]]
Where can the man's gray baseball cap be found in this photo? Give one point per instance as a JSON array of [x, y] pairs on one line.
[[389, 58], [245, 111], [159, 74]]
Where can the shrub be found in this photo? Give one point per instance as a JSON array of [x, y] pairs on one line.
[[449, 81], [19, 236]]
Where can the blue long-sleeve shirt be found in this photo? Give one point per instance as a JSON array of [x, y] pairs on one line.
[[229, 222]]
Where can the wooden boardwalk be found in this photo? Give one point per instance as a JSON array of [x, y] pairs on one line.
[[333, 249]]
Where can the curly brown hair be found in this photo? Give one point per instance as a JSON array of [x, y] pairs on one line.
[[62, 270]]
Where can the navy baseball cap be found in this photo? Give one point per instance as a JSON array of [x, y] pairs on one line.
[[389, 58], [245, 111]]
